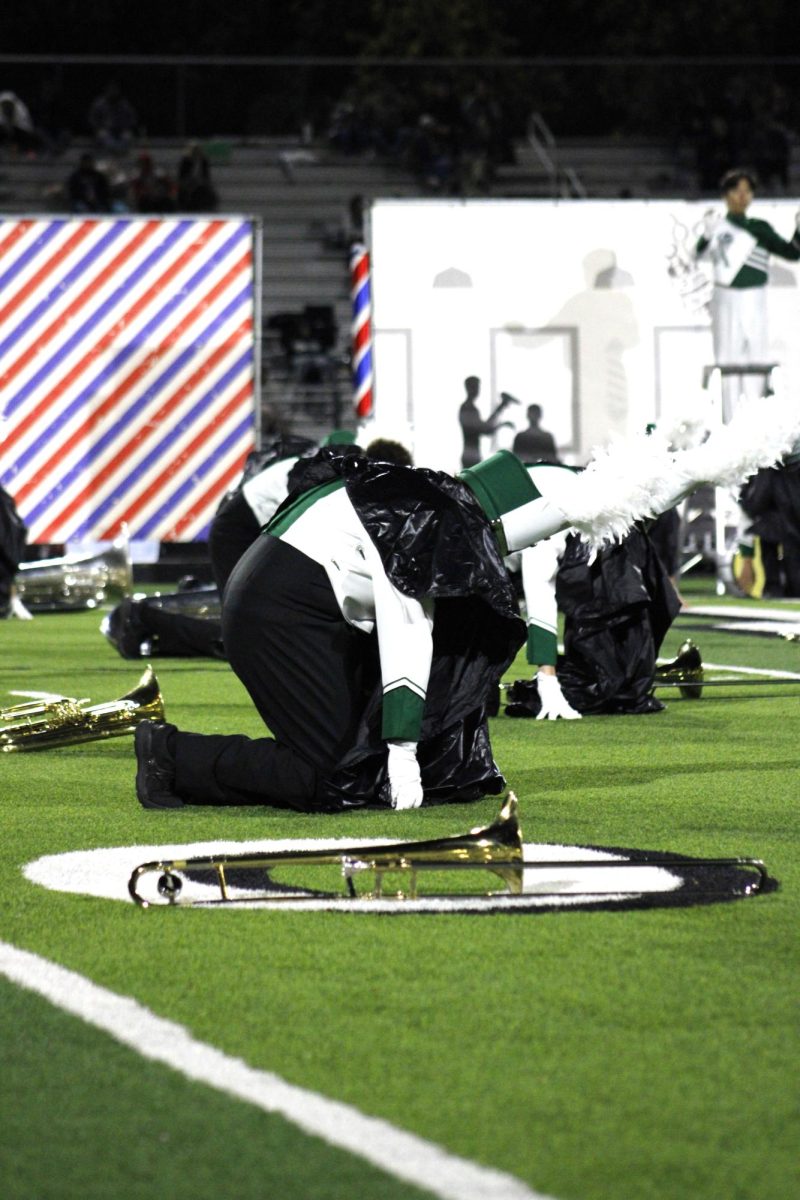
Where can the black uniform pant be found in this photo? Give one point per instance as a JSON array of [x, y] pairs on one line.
[[233, 530], [307, 671]]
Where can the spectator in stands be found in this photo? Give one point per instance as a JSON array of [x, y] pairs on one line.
[[17, 131], [196, 193], [484, 145], [431, 156], [88, 188], [151, 189], [113, 121]]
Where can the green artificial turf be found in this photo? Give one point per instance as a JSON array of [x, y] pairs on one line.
[[636, 1055]]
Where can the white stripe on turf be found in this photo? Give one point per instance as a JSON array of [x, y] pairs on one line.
[[766, 671], [407, 1157]]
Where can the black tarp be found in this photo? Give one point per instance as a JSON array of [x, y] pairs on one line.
[[618, 605]]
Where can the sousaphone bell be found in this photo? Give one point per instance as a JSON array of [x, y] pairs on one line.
[[76, 581]]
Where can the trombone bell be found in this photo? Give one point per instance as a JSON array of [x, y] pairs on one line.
[[65, 721], [393, 871]]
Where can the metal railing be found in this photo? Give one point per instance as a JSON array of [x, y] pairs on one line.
[[564, 180]]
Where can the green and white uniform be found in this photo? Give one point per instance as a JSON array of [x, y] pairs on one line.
[[739, 250], [267, 490], [323, 525], [539, 570]]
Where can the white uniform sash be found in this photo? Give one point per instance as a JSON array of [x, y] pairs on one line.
[[729, 248]]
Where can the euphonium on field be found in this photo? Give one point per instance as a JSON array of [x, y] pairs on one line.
[[65, 721], [76, 581], [684, 672], [390, 871]]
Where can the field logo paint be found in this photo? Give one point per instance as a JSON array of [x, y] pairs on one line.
[[628, 879]]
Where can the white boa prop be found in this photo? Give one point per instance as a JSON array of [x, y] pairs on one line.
[[625, 482]]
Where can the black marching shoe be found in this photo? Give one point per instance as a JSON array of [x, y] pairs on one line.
[[155, 766]]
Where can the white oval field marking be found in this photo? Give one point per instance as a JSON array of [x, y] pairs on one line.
[[105, 872]]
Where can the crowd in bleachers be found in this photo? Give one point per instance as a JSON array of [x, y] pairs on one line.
[[103, 186], [739, 124], [452, 143], [450, 135], [117, 174]]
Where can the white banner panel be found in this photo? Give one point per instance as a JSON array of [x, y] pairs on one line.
[[591, 309]]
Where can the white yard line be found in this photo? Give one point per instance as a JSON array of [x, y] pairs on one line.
[[403, 1155], [743, 612], [771, 674], [764, 671]]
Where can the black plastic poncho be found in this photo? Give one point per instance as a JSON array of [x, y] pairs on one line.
[[617, 609], [434, 542]]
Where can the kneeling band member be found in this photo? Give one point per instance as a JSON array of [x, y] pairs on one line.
[[371, 622]]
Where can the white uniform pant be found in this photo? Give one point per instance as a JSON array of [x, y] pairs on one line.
[[739, 331]]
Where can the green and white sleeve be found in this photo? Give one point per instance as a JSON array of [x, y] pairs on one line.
[[539, 567], [405, 644]]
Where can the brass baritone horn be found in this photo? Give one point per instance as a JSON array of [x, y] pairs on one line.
[[76, 581], [351, 873], [65, 721], [684, 672]]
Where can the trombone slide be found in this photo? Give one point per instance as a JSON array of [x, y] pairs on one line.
[[355, 872]]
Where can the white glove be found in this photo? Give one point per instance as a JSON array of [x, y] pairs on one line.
[[405, 785], [797, 220], [19, 610], [710, 222], [553, 703]]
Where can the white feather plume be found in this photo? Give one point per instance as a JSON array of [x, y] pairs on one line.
[[628, 481]]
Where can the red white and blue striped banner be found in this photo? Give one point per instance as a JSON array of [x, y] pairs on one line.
[[127, 372], [361, 331]]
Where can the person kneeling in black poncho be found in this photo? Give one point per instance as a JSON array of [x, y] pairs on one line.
[[374, 617]]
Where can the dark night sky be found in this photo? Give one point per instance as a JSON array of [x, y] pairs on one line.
[[262, 99], [325, 27]]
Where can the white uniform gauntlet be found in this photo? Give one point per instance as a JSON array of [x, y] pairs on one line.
[[554, 704], [405, 784]]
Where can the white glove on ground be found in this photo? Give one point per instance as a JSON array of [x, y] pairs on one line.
[[553, 703], [405, 785]]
